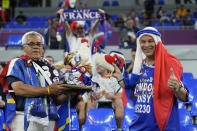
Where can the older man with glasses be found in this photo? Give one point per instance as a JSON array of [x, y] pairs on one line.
[[36, 87]]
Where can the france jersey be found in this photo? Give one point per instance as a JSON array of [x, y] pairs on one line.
[[144, 118]]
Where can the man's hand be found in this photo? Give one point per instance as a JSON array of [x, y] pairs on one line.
[[117, 73], [173, 82], [56, 88]]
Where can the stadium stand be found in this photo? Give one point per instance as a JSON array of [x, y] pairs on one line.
[[174, 34]]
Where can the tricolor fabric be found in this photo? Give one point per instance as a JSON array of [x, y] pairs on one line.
[[163, 96]]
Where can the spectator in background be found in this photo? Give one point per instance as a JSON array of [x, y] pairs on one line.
[[182, 11], [149, 7], [175, 18], [195, 13], [50, 59], [21, 18], [127, 35], [120, 20], [159, 12], [133, 16], [144, 21], [164, 18], [54, 35]]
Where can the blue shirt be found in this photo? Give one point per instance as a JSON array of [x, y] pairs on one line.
[[144, 118]]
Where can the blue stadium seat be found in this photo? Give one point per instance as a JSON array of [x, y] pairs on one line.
[[74, 120], [114, 17], [161, 2], [106, 3], [129, 112], [194, 108], [101, 116], [187, 75], [95, 128], [115, 3], [14, 41], [184, 117]]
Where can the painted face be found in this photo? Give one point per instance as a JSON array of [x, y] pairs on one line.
[[34, 47], [148, 45], [80, 31]]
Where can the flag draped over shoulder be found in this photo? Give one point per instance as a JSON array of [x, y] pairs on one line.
[[63, 122], [163, 96]]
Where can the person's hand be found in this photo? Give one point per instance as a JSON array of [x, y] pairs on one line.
[[60, 11], [2, 104], [57, 89], [117, 73], [173, 82], [101, 11]]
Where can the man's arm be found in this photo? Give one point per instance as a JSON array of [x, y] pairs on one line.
[[32, 91], [94, 27]]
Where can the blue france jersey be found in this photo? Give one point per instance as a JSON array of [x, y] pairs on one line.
[[144, 118]]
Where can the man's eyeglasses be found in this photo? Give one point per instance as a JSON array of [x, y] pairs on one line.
[[31, 44]]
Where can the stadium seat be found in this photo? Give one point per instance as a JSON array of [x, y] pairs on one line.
[[115, 3], [161, 2], [185, 118], [14, 41], [129, 112], [74, 120], [106, 3], [95, 128], [101, 116], [187, 75]]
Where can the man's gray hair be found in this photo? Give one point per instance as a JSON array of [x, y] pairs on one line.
[[24, 38]]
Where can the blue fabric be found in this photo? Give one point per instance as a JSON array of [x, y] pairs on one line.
[[80, 14], [144, 108], [19, 71], [9, 111], [63, 113], [1, 119], [148, 31]]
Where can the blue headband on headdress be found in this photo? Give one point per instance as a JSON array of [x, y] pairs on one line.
[[149, 32]]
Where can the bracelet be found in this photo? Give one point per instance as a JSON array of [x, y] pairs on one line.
[[48, 90], [120, 80]]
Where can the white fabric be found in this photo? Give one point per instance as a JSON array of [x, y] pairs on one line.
[[110, 85], [17, 124], [140, 56], [75, 42]]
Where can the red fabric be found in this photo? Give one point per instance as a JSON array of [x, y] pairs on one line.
[[3, 79], [109, 59], [67, 3], [55, 128], [121, 60], [84, 41], [163, 95], [124, 97], [3, 16], [73, 26]]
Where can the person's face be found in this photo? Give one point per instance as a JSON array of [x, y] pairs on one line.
[[148, 45], [102, 71], [34, 47], [50, 60], [80, 31]]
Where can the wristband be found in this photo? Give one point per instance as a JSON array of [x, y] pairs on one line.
[[120, 80], [48, 90]]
